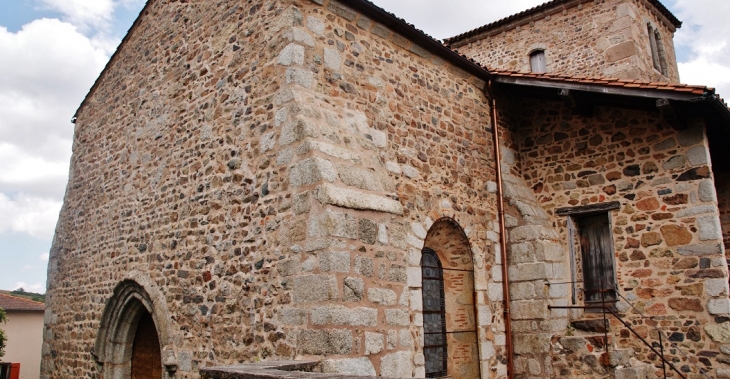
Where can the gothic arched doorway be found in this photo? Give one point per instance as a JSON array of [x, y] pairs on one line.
[[447, 267], [128, 343]]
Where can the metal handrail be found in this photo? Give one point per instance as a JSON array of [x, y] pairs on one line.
[[628, 326], [661, 333]]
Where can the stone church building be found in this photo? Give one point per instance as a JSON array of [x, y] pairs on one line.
[[317, 181]]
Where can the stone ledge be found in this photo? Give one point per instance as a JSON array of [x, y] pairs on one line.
[[273, 370], [353, 199]]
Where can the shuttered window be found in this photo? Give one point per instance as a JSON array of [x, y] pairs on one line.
[[537, 61]]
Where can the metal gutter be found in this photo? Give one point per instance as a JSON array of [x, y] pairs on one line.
[[502, 236], [606, 89]]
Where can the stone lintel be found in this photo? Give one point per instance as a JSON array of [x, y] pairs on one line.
[[585, 209], [354, 199]]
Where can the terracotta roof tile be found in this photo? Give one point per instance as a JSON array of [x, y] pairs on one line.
[[12, 303], [626, 83]]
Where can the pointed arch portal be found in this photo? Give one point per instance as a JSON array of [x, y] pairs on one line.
[[128, 343], [449, 303]]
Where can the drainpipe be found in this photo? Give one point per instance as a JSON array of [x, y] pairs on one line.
[[502, 236]]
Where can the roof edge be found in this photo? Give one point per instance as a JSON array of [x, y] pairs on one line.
[[111, 59], [417, 36], [541, 10]]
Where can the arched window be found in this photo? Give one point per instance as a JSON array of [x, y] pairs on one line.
[[537, 61], [434, 314], [657, 50]]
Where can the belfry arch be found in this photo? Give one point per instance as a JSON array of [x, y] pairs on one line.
[[131, 335], [447, 258]]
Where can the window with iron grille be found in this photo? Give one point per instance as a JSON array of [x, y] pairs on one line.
[[434, 314]]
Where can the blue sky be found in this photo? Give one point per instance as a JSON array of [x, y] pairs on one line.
[[51, 51]]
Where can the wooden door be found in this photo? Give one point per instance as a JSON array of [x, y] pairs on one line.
[[599, 278], [146, 356]]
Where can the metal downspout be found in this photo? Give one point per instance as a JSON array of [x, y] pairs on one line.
[[502, 236]]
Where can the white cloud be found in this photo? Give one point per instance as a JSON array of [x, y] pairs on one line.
[[704, 33], [26, 214], [48, 67], [443, 19], [85, 14], [37, 287], [43, 257]]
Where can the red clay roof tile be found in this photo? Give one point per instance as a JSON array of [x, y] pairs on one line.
[[12, 303]]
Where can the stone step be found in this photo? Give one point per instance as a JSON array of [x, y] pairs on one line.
[[591, 325], [643, 371], [616, 358]]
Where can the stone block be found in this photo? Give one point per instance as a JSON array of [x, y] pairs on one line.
[[349, 366], [360, 178], [310, 171], [334, 261], [532, 233], [353, 289], [698, 155], [550, 251], [620, 51], [522, 252], [700, 250], [635, 372], [300, 76], [716, 287], [530, 271], [495, 292], [719, 333], [288, 267], [293, 316], [314, 288], [691, 136], [397, 317], [531, 343], [532, 309], [300, 35], [718, 306], [675, 162], [297, 130], [382, 234], [332, 59], [416, 300], [396, 365], [522, 291], [484, 315], [332, 224], [693, 211], [368, 231], [413, 275], [325, 342], [709, 228], [374, 343], [382, 296], [352, 199], [328, 149], [405, 339], [291, 54], [315, 25], [706, 191], [364, 266]]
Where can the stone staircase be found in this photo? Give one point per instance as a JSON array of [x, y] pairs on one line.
[[588, 344]]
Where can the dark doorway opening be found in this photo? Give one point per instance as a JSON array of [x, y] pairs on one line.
[[146, 358]]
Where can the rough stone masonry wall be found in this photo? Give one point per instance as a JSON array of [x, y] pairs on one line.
[[170, 185], [668, 244], [607, 39], [392, 139], [272, 171]]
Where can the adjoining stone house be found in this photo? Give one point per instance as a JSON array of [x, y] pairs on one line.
[[318, 180]]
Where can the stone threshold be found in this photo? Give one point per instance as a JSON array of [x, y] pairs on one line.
[[273, 370]]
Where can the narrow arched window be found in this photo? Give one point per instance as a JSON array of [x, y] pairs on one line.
[[658, 57], [537, 61], [434, 314]]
